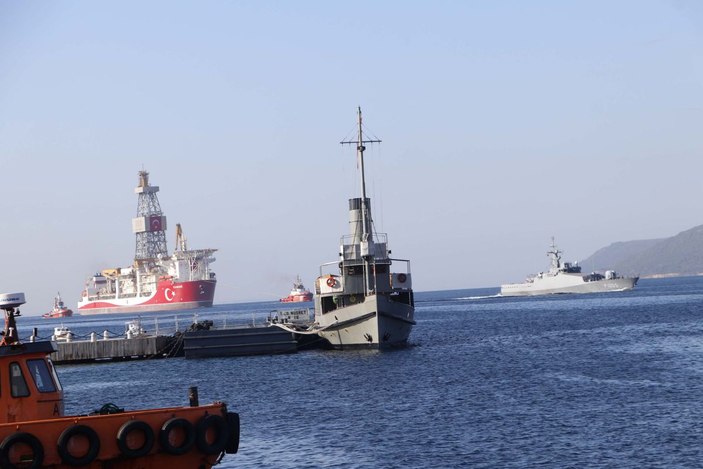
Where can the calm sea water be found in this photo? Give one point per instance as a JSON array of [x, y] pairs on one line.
[[605, 380]]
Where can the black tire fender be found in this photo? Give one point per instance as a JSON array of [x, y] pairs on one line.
[[123, 434], [233, 440], [188, 431], [219, 425], [93, 445], [27, 439]]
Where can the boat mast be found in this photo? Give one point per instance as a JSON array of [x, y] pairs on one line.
[[366, 229], [360, 148]]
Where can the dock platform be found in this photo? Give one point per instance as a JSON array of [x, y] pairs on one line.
[[238, 341], [112, 349]]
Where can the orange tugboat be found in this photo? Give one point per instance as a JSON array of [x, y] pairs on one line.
[[35, 433]]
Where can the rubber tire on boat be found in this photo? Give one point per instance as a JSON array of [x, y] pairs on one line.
[[123, 434], [220, 426], [168, 427], [29, 440], [93, 440], [233, 426]]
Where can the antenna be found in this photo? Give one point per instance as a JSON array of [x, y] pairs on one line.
[[360, 148]]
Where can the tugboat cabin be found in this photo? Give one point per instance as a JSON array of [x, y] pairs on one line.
[[29, 386]]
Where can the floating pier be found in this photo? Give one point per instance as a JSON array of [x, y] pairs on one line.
[[113, 349], [238, 341]]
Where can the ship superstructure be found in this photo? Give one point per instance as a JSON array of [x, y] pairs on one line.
[[156, 280]]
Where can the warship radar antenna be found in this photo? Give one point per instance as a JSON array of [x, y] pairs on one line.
[[555, 255], [149, 226]]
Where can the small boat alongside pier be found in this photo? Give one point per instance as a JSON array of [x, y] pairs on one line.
[[364, 299]]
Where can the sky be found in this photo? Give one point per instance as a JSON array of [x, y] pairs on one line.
[[503, 123]]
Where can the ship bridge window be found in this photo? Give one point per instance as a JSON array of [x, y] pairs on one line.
[[355, 269], [54, 375], [41, 375], [18, 384]]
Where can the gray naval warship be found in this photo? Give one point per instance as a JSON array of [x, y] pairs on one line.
[[361, 299], [565, 277]]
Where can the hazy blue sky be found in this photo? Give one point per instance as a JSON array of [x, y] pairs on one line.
[[503, 123]]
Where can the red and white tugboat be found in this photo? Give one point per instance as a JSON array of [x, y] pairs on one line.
[[60, 310], [155, 281], [298, 294], [35, 433]]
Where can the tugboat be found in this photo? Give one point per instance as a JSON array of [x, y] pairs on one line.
[[363, 303], [566, 277], [60, 310], [298, 294], [35, 432]]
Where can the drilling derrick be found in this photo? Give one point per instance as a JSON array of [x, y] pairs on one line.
[[150, 224]]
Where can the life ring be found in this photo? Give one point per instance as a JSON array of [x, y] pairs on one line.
[[135, 426], [93, 445], [188, 436], [402, 278], [26, 439], [352, 299], [331, 282], [207, 424]]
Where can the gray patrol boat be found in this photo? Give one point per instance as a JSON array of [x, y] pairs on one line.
[[565, 277]]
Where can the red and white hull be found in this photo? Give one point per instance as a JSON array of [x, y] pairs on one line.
[[297, 298], [58, 313], [169, 296]]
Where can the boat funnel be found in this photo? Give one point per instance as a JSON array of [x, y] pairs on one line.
[[356, 219]]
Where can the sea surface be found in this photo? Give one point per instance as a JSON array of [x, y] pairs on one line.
[[600, 380]]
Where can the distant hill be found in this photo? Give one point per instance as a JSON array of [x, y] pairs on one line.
[[678, 255]]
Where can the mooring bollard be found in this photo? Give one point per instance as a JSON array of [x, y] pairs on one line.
[[93, 337], [106, 335], [193, 396]]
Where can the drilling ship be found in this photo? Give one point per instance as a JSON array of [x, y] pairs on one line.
[[156, 281]]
